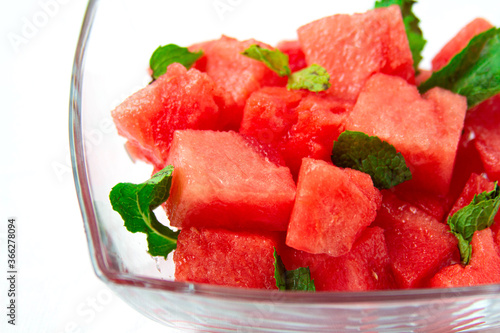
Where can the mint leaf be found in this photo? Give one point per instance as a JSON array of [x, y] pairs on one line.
[[136, 202], [411, 22], [163, 56], [478, 215], [369, 154], [297, 279], [276, 60], [474, 72], [314, 78]]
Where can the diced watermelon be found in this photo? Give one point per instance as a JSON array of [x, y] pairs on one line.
[[483, 268], [227, 258], [296, 57], [297, 123], [426, 130], [434, 205], [354, 47], [237, 74], [418, 244], [475, 185], [484, 121], [221, 180], [332, 208], [467, 162], [179, 99], [365, 267], [457, 43], [270, 113]]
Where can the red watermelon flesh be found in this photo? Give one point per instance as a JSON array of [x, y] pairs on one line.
[[484, 121], [418, 244], [221, 180], [296, 57], [331, 209], [270, 113], [457, 43], [467, 162], [475, 185], [434, 205], [237, 74], [297, 123], [354, 47], [227, 258], [425, 129], [319, 123], [365, 267], [483, 268], [179, 99]]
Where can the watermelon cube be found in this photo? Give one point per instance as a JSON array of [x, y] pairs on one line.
[[484, 121], [365, 267], [418, 244], [332, 207], [222, 180], [297, 123], [227, 258], [235, 73], [457, 43], [354, 47], [483, 268], [425, 129], [467, 162], [149, 117], [296, 57], [475, 185]]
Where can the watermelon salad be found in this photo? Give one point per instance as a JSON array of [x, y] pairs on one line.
[[332, 162]]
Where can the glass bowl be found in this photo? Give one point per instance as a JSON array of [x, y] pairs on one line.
[[111, 62]]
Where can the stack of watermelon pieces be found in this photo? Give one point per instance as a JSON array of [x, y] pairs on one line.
[[252, 168]]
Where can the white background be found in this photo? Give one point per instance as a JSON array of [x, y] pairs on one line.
[[57, 288]]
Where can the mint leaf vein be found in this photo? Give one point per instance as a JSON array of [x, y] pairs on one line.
[[478, 215], [135, 204], [369, 154]]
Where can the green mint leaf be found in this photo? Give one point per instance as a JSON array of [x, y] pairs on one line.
[[314, 78], [474, 72], [163, 56], [297, 279], [478, 215], [136, 202], [369, 154], [411, 22], [276, 60]]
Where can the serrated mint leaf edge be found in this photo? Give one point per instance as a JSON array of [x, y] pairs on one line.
[[269, 57], [144, 195], [351, 159], [159, 61], [314, 78], [462, 65], [478, 202]]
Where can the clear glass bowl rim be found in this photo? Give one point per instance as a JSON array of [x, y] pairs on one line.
[[91, 225]]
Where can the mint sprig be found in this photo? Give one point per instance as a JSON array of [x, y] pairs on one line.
[[412, 28], [474, 72], [369, 154], [163, 56], [297, 279], [313, 78], [478, 215], [136, 202], [274, 59]]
